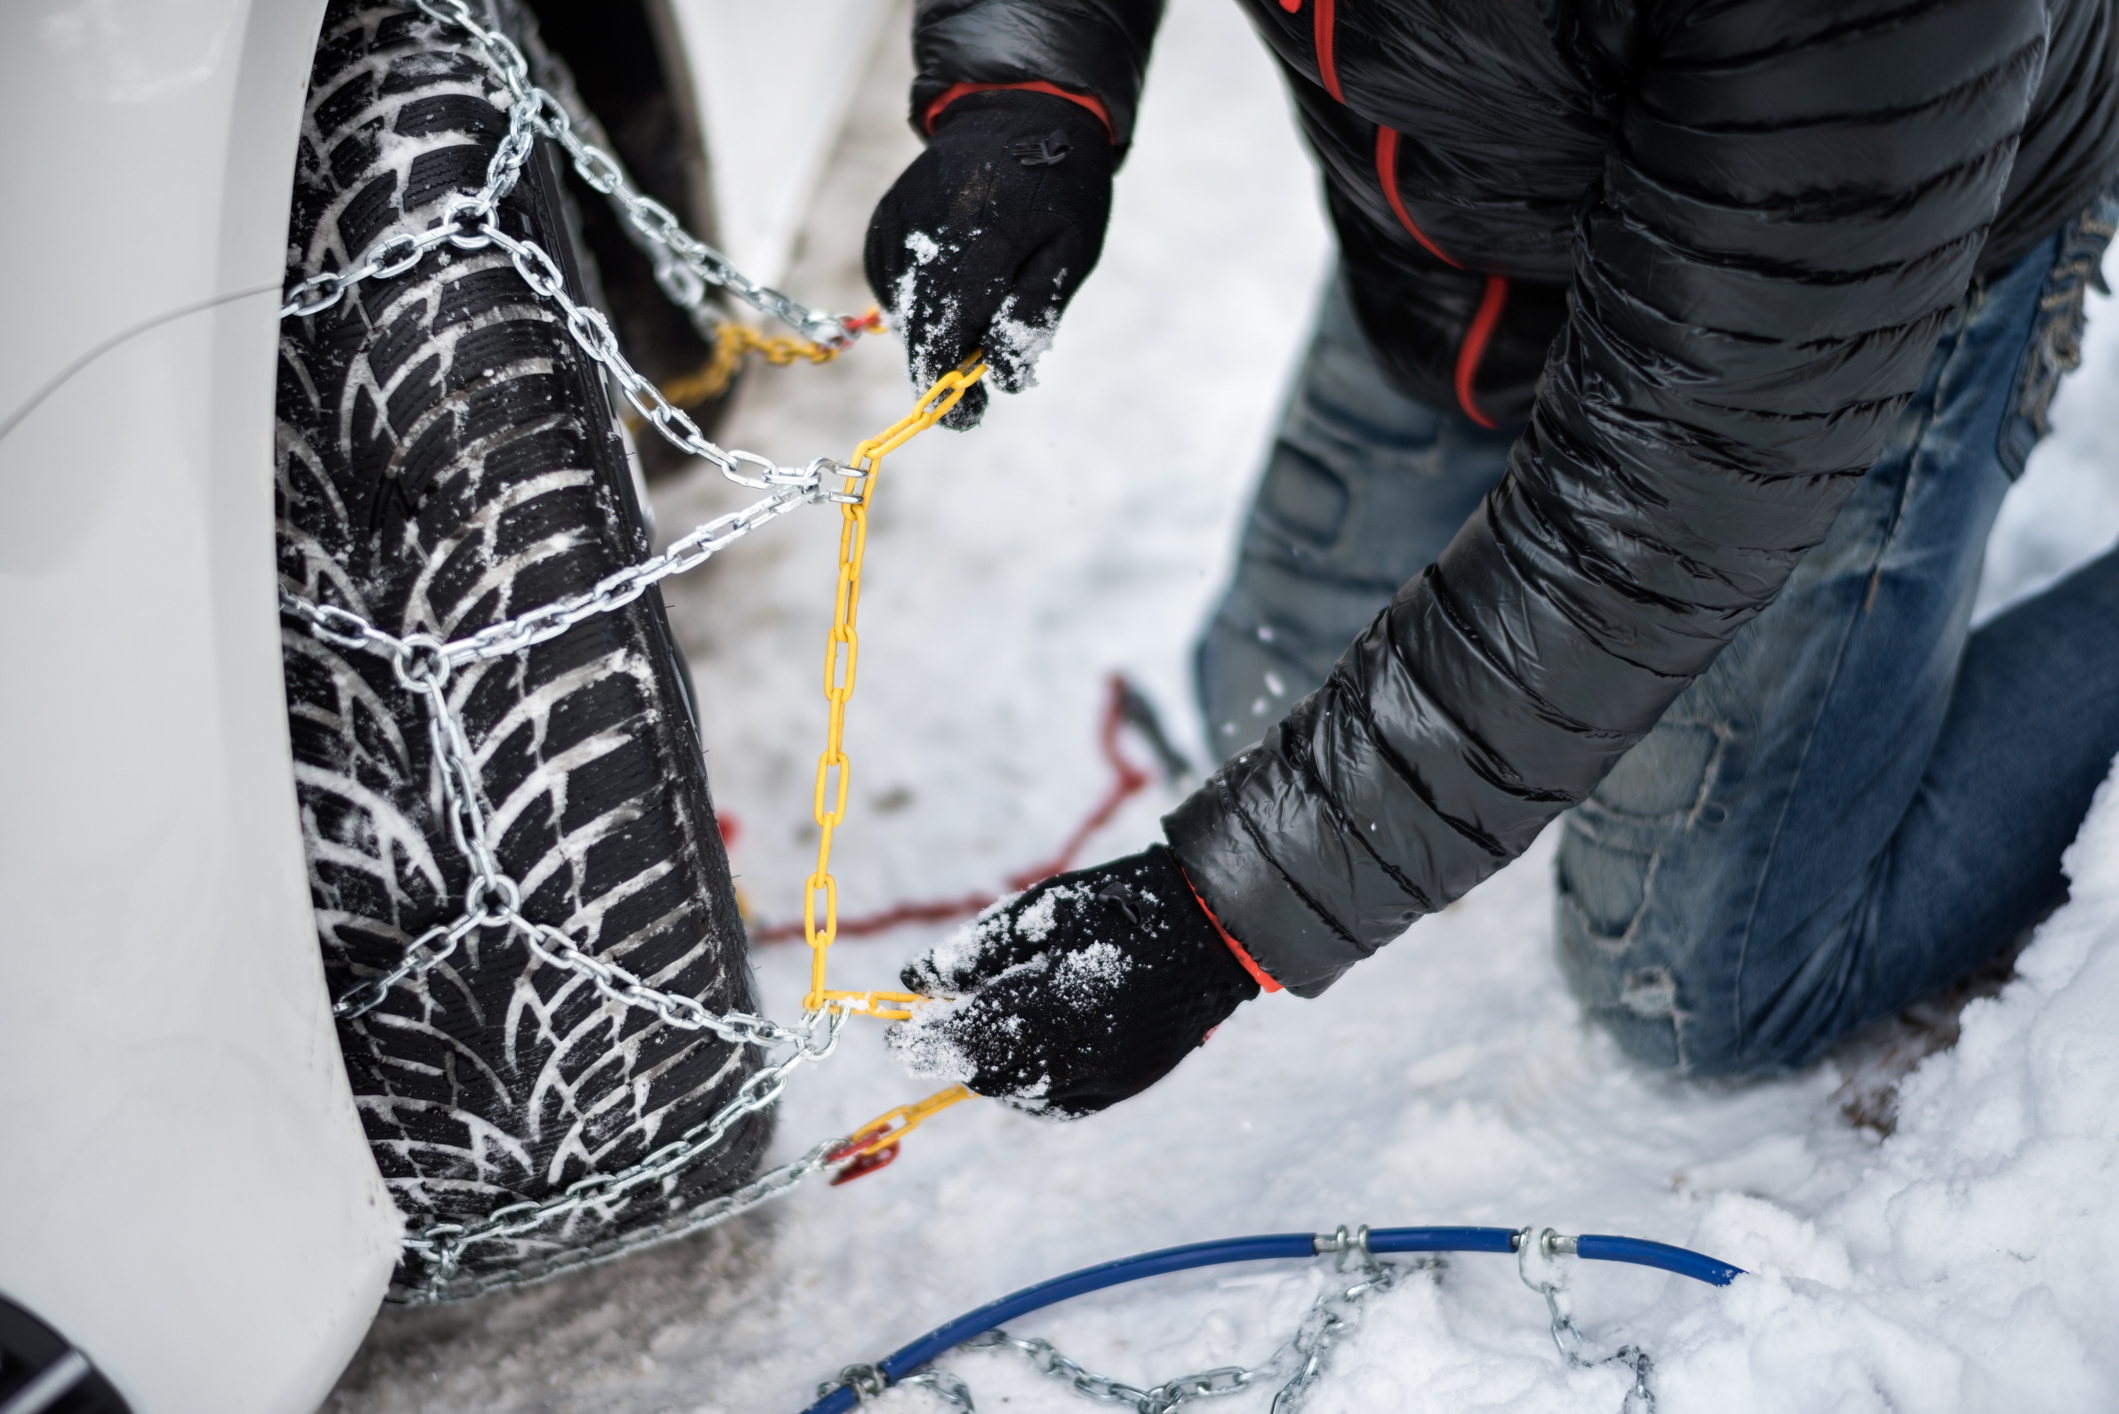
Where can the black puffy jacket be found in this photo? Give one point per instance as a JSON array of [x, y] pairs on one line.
[[1706, 248]]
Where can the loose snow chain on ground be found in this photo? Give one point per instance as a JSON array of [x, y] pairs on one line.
[[423, 663], [1300, 1360]]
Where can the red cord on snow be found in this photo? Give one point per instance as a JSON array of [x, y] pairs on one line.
[[1128, 780]]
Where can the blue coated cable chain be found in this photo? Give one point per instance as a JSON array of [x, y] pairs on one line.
[[1299, 1362]]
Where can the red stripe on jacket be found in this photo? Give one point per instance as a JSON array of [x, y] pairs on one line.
[[1481, 333], [1327, 64], [1473, 348], [955, 91], [1387, 173]]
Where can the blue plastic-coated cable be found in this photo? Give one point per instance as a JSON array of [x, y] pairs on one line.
[[1385, 1240], [1599, 1247], [1381, 1241]]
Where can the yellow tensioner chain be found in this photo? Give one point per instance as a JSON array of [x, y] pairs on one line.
[[841, 656], [731, 342]]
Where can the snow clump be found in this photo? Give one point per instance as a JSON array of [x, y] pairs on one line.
[[1973, 1265]]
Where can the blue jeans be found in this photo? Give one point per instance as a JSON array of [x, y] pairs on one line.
[[1862, 800], [1363, 489]]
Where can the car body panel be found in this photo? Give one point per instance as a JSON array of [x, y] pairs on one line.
[[188, 1195]]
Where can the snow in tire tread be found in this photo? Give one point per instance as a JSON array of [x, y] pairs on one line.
[[445, 459]]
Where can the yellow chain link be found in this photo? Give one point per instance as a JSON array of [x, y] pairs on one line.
[[891, 1126], [846, 605], [731, 343]]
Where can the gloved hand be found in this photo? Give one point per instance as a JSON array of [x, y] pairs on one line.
[[1077, 993], [986, 236]]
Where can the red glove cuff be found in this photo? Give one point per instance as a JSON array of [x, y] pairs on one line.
[[1250, 965], [955, 91]]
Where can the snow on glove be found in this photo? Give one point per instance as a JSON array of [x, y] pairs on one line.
[[1070, 997], [986, 236]]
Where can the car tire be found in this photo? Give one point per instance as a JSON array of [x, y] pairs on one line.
[[446, 458]]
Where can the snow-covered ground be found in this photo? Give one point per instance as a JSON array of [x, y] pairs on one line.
[[1965, 1263]]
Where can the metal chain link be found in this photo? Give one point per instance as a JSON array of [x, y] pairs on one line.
[[1537, 1254], [616, 590], [444, 1244], [1299, 1361], [588, 328], [422, 664], [1330, 1319], [684, 265], [492, 900], [1047, 1359]]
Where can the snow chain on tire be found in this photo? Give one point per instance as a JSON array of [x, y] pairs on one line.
[[447, 458]]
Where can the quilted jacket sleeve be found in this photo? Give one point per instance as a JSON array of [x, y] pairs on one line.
[[1097, 47], [1794, 199]]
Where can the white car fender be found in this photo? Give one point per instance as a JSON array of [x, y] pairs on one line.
[[187, 1195]]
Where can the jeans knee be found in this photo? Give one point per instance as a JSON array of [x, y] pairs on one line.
[[1662, 1017], [1636, 969], [1635, 1001], [1675, 1008]]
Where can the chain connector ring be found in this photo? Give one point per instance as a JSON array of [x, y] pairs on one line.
[[421, 662], [493, 901], [467, 218]]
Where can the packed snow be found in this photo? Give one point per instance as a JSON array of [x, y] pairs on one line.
[[1964, 1262]]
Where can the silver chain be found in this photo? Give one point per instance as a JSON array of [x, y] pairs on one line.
[[492, 899], [344, 629], [685, 266], [1537, 1254], [443, 1245], [1298, 1364], [424, 664]]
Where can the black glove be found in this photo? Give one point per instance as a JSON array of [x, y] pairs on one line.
[[987, 235], [1074, 995]]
